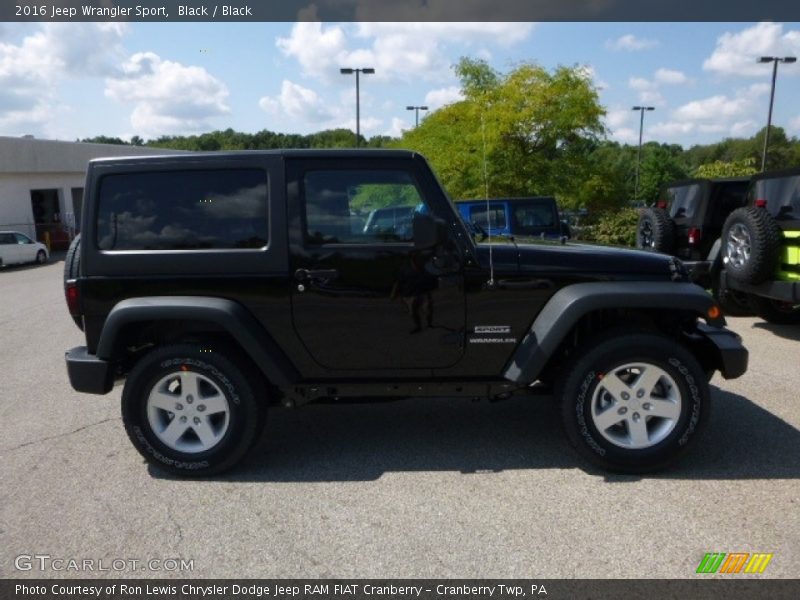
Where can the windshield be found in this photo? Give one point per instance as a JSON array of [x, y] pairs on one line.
[[533, 217], [682, 200], [782, 195]]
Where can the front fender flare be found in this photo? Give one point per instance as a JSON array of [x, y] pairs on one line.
[[563, 311]]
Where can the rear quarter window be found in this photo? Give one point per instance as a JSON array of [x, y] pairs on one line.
[[183, 210], [682, 201]]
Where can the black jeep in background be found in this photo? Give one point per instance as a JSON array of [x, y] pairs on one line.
[[217, 285], [687, 222], [760, 247]]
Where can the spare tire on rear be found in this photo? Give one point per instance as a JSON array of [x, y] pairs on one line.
[[655, 231], [751, 242]]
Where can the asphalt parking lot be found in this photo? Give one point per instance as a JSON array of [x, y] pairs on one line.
[[415, 488]]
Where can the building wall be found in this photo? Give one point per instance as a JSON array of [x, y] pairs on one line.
[[28, 164]]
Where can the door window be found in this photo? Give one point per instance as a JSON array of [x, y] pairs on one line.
[[360, 207]]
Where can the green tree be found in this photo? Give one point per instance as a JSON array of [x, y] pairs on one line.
[[720, 168], [525, 132], [661, 163]]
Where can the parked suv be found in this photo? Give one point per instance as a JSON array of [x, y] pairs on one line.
[[535, 216], [687, 221], [761, 247], [216, 285]]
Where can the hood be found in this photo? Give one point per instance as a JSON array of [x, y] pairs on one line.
[[601, 262]]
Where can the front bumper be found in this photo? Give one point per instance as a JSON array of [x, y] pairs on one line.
[[87, 373], [726, 348]]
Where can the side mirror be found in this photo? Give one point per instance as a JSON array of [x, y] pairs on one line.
[[429, 231]]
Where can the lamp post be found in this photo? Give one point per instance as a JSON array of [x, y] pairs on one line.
[[774, 60], [641, 110], [366, 71], [416, 109]]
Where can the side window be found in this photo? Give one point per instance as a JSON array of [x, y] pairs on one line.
[[7, 238], [22, 239], [183, 210], [360, 207], [496, 216]]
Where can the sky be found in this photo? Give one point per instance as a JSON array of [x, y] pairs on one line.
[[76, 80]]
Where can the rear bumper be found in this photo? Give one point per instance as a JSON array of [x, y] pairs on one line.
[[786, 291], [87, 373], [726, 347], [699, 271]]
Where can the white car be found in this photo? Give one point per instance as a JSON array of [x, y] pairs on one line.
[[17, 248]]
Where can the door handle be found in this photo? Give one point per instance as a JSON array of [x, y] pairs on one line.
[[306, 274]]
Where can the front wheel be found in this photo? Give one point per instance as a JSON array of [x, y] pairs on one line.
[[41, 257], [633, 402], [190, 412]]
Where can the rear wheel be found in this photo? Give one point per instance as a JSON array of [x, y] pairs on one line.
[[189, 412], [750, 245], [633, 402], [655, 231], [776, 311]]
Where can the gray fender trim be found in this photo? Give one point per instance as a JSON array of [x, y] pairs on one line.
[[229, 315], [572, 302]]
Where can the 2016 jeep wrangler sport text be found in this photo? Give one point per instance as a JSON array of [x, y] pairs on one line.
[[218, 284]]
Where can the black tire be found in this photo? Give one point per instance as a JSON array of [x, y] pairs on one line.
[[776, 311], [670, 437], [751, 241], [41, 257], [243, 417], [655, 231], [733, 302], [72, 260]]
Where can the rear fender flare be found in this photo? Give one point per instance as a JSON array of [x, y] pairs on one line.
[[230, 316]]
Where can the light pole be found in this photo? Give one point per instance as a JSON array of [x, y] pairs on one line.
[[774, 60], [641, 110], [417, 109], [358, 102]]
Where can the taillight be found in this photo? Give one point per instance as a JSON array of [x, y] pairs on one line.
[[695, 233], [661, 204], [72, 296], [761, 203]]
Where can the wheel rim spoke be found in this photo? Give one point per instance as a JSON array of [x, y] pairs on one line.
[[665, 409], [205, 433], [608, 418], [648, 380], [615, 386], [215, 404], [173, 432], [164, 400], [637, 429], [190, 385]]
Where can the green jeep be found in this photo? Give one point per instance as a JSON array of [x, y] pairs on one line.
[[760, 247]]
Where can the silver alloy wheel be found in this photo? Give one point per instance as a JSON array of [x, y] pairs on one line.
[[738, 245], [188, 412], [636, 405], [41, 257]]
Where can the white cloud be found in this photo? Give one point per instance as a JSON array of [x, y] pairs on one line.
[[169, 97], [735, 115], [631, 43], [442, 96], [736, 53], [31, 71], [670, 77], [640, 84], [794, 125], [403, 51], [298, 102], [397, 128]]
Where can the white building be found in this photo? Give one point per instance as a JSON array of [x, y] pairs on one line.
[[41, 184]]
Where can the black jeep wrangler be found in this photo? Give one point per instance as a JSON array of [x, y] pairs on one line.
[[760, 247], [687, 221], [219, 284]]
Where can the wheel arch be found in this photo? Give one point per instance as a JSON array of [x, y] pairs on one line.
[[220, 318], [599, 305]]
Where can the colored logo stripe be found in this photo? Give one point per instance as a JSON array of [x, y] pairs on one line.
[[757, 563], [734, 562], [711, 562]]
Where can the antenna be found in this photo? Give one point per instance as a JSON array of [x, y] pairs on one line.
[[488, 212]]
